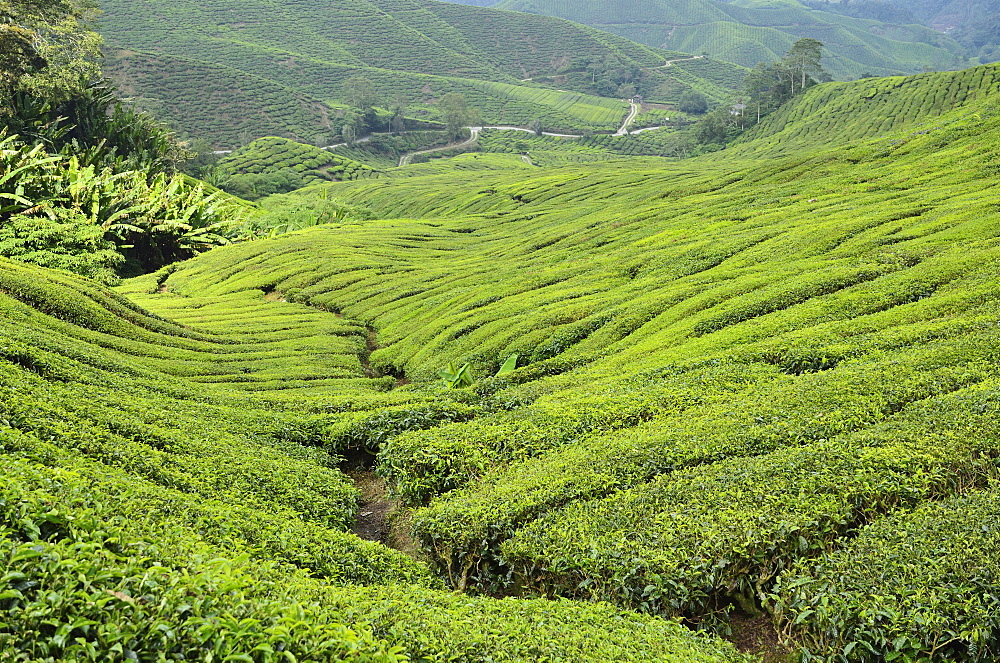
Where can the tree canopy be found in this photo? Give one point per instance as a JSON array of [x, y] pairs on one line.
[[456, 112], [47, 48]]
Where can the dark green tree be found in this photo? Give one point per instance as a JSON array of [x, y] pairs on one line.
[[456, 112], [803, 61], [360, 93], [47, 48], [692, 102], [397, 123]]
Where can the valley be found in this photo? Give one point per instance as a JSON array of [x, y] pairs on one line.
[[407, 340]]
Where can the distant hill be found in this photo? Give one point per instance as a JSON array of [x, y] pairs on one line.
[[973, 23], [751, 31], [276, 68]]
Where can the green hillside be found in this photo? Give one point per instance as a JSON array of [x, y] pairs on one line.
[[158, 501], [838, 113], [279, 69], [545, 401], [752, 32], [717, 382]]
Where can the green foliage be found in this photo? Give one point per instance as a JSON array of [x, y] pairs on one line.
[[153, 218], [744, 381], [277, 165], [47, 49], [508, 366], [154, 506], [747, 33], [69, 244], [455, 377], [692, 102], [915, 586], [281, 70]]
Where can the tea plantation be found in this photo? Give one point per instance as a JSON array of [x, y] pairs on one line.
[[750, 32], [757, 387], [231, 74]]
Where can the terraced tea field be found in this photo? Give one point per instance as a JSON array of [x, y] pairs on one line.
[[755, 387], [233, 74], [748, 33]]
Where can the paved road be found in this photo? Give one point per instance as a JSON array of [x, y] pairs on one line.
[[407, 158], [633, 111], [670, 62]]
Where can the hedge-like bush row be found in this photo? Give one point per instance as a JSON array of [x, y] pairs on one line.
[[78, 584], [698, 541], [914, 586]]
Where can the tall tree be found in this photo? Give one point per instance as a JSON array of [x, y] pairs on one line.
[[456, 112], [361, 93], [47, 48], [761, 84], [354, 126], [803, 60], [397, 124]]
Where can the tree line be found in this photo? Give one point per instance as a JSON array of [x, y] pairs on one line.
[[765, 88]]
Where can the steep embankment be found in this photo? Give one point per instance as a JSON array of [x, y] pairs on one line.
[[728, 368]]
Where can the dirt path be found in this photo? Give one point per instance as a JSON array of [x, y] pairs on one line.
[[670, 62], [374, 507]]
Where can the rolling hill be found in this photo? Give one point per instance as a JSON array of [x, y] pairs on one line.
[[754, 392], [234, 73], [973, 23], [750, 32]]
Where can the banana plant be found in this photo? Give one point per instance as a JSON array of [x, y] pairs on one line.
[[508, 366], [455, 378]]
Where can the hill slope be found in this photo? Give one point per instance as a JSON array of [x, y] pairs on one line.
[[748, 33], [752, 383], [288, 63], [164, 496], [724, 370]]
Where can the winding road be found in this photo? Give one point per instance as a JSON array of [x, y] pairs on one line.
[[633, 111], [474, 131], [406, 159]]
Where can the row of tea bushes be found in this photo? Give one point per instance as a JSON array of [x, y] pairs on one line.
[[462, 531], [83, 582], [918, 586], [696, 541]]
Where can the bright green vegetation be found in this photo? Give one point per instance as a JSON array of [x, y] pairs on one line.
[[834, 113], [542, 150], [89, 186], [554, 151], [737, 378], [171, 488], [279, 69], [383, 151], [629, 395], [277, 165], [887, 590], [752, 32]]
